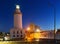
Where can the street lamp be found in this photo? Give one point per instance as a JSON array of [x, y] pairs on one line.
[[54, 21], [54, 18]]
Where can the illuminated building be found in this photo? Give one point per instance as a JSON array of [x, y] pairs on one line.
[[32, 32], [47, 34], [17, 31]]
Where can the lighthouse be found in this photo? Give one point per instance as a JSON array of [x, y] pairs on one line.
[[17, 30], [18, 18]]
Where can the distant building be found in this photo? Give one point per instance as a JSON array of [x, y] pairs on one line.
[[58, 34], [4, 36], [17, 31], [49, 34]]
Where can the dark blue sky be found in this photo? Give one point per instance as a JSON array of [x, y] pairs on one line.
[[38, 11]]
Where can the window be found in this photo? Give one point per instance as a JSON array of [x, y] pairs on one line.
[[13, 35], [13, 32], [21, 32], [17, 35], [21, 35], [17, 32]]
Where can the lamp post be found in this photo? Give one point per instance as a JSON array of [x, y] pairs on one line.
[[54, 21], [54, 9]]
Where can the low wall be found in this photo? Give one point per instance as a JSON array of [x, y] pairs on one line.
[[46, 41], [16, 42]]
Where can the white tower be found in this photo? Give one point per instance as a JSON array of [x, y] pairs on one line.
[[17, 18]]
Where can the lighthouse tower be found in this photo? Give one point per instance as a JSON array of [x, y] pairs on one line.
[[17, 30], [18, 18]]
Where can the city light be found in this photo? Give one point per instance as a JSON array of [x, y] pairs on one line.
[[29, 37], [37, 30], [5, 38], [7, 34], [28, 28], [37, 40]]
